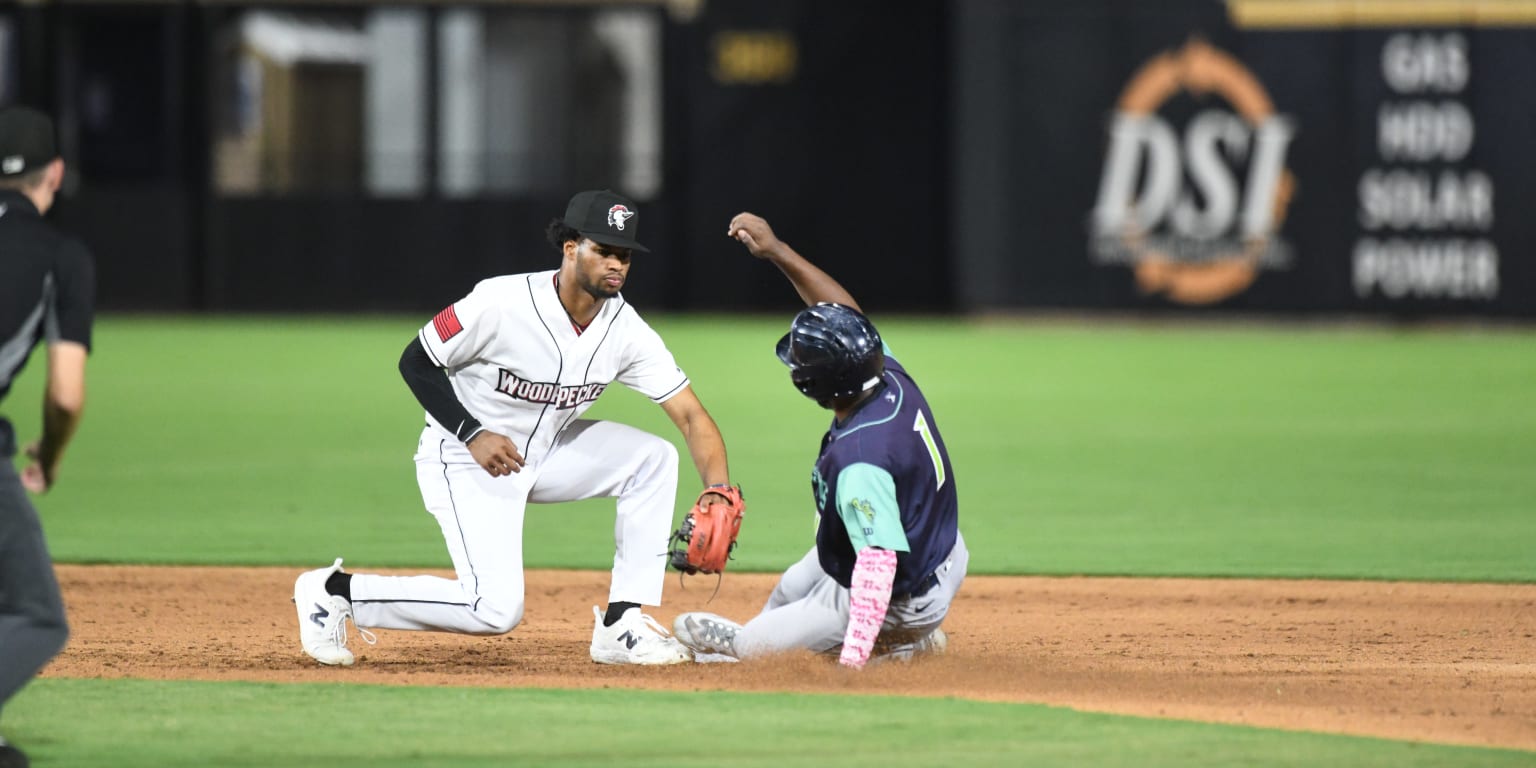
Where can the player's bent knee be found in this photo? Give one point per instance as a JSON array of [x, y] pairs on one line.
[[61, 638], [660, 457], [664, 452], [498, 617], [53, 637]]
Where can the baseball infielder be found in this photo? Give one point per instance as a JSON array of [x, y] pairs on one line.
[[525, 355], [889, 556]]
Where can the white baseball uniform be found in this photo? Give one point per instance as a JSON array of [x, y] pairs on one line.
[[520, 366]]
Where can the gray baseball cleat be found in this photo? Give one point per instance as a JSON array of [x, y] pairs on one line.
[[707, 633], [935, 643]]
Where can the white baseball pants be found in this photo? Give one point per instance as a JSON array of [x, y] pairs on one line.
[[482, 522]]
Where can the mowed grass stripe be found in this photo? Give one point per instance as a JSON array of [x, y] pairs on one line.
[[1245, 451], [133, 724]]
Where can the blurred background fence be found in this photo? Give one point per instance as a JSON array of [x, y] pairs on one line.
[[1356, 157]]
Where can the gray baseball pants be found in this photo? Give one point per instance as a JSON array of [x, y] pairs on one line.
[[809, 610], [32, 622]]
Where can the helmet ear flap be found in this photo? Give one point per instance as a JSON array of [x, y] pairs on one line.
[[804, 382]]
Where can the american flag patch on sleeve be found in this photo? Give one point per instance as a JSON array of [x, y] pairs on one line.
[[447, 324]]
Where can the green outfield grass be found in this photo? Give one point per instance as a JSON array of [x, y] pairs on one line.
[[1078, 450], [145, 724]]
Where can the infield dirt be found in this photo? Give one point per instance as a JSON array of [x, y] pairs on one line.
[[1446, 663]]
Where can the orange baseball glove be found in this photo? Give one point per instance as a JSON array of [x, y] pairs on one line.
[[703, 543]]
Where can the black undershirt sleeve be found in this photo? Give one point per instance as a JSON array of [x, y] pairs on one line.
[[432, 389], [75, 277]]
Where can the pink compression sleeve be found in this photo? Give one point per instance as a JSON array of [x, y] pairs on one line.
[[869, 595]]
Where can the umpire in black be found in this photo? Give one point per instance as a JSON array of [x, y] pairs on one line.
[[47, 294]]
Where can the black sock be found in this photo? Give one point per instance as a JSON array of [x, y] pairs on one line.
[[340, 583], [616, 612]]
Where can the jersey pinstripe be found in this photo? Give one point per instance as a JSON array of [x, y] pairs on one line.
[[522, 369]]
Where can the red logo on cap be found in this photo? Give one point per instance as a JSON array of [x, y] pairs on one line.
[[617, 215]]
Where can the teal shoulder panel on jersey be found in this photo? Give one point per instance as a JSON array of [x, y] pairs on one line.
[[866, 502]]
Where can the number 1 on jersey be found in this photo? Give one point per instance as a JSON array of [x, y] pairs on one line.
[[920, 426]]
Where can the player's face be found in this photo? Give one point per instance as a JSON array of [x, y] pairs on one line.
[[601, 269]]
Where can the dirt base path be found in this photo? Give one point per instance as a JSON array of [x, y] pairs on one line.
[[1449, 663]]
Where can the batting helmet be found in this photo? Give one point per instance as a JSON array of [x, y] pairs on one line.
[[832, 351]]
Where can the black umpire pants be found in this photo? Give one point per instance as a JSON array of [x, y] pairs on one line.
[[32, 622]]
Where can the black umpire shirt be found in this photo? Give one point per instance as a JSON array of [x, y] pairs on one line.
[[47, 291]]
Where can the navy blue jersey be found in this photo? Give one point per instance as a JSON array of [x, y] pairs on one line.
[[884, 479]]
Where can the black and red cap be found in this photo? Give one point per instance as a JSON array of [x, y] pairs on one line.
[[606, 217]]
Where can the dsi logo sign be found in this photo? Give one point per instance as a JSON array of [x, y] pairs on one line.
[[1195, 213]]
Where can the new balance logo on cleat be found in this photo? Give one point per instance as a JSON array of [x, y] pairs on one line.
[[634, 639], [323, 631]]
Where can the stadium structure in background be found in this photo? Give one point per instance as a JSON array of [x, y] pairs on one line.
[[1359, 157]]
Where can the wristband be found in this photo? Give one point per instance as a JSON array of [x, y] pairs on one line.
[[467, 430]]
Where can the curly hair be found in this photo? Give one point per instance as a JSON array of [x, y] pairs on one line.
[[558, 232]]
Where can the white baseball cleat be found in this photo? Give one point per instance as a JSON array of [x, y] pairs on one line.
[[707, 633], [635, 638], [322, 617]]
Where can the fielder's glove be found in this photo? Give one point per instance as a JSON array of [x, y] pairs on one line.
[[703, 543]]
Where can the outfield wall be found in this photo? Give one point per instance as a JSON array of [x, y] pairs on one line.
[[1362, 158], [1284, 157]]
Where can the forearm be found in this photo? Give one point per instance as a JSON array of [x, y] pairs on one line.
[[707, 448], [869, 597], [701, 434], [59, 423], [63, 402], [812, 283], [432, 389]]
